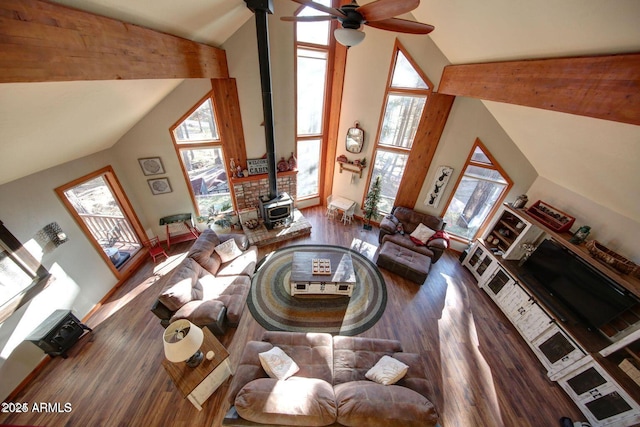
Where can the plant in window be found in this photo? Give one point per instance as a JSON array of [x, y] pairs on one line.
[[370, 207]]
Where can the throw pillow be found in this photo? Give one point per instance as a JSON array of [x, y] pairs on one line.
[[277, 364], [387, 371], [422, 234], [228, 250]]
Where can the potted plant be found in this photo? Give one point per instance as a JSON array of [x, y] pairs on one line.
[[370, 206]]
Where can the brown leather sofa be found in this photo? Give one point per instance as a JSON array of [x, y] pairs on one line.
[[408, 219], [330, 389], [205, 290]]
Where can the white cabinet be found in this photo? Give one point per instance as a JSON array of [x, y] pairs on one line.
[[525, 314], [599, 396], [480, 262], [509, 231], [556, 350]]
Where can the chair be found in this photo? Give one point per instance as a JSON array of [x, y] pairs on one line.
[[331, 210], [155, 248], [347, 216]]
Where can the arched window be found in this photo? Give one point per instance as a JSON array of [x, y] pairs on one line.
[[481, 187], [406, 96]]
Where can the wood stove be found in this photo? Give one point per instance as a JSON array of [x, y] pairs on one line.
[[276, 212]]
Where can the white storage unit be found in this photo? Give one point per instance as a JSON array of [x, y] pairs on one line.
[[509, 231]]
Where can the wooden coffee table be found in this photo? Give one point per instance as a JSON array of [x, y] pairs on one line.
[[339, 279]]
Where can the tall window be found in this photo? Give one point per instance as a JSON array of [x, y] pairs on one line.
[[21, 275], [406, 97], [102, 210], [312, 58], [480, 189], [200, 151]]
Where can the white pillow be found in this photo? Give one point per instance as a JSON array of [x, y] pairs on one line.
[[228, 250], [277, 364], [422, 233], [387, 371]]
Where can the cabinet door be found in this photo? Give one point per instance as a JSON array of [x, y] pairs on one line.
[[599, 397], [532, 321], [556, 350], [498, 285]]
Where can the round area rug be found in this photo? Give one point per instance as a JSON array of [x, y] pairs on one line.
[[273, 307]]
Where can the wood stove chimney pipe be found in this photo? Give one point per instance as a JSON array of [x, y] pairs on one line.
[[261, 8]]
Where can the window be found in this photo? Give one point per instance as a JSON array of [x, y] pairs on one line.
[[199, 148], [21, 275], [312, 59], [406, 97], [101, 209], [481, 187]]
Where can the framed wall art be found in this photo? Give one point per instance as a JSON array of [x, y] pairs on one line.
[[159, 186], [151, 165], [439, 184]]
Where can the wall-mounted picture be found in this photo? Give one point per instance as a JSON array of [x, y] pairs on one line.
[[159, 186], [439, 184], [151, 165]]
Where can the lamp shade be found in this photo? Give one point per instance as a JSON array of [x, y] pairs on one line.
[[348, 36], [182, 339]]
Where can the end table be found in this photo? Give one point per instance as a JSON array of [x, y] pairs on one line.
[[198, 384]]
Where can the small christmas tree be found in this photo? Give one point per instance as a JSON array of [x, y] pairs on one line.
[[370, 208]]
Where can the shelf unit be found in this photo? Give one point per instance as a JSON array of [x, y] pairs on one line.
[[351, 167], [509, 231]]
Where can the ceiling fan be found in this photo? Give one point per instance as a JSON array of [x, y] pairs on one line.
[[378, 14]]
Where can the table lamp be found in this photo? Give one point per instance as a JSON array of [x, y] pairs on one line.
[[182, 340]]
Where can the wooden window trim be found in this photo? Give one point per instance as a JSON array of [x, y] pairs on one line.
[[125, 205], [397, 47], [495, 165]]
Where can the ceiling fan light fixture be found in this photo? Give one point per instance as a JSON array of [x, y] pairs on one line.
[[348, 36]]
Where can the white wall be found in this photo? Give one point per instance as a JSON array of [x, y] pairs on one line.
[[616, 231], [150, 137], [81, 276]]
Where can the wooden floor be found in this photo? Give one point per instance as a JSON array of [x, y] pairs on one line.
[[483, 373]]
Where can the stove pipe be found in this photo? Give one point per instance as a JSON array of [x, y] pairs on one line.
[[261, 8]]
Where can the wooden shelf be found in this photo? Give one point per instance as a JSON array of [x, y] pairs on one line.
[[350, 167], [261, 176]]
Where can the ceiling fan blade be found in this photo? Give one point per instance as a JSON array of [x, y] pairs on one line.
[[307, 18], [385, 9], [321, 8], [402, 26]]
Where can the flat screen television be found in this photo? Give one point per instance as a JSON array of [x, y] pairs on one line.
[[590, 295]]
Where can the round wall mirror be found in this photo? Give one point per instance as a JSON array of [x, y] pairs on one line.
[[355, 139]]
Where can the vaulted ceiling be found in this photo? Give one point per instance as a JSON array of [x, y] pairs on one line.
[[45, 124]]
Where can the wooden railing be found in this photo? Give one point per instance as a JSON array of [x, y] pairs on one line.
[[108, 230]]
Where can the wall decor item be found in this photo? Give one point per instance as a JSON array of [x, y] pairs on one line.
[[439, 184], [159, 186], [55, 234], [151, 165], [257, 166], [355, 139]]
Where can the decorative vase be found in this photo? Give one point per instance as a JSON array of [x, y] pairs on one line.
[[283, 166], [293, 162]]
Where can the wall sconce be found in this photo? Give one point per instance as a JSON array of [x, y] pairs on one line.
[[55, 234]]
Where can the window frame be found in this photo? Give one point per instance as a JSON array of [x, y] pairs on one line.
[[495, 165], [201, 144], [26, 262], [390, 90], [323, 136]]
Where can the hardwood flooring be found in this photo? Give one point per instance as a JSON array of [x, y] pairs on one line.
[[483, 373]]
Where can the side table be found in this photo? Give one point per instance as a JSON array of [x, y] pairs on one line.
[[198, 384]]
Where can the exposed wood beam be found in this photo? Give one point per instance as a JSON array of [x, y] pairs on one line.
[[604, 87], [43, 42], [424, 148]]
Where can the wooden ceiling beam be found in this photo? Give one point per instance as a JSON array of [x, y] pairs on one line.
[[44, 42], [604, 87]]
